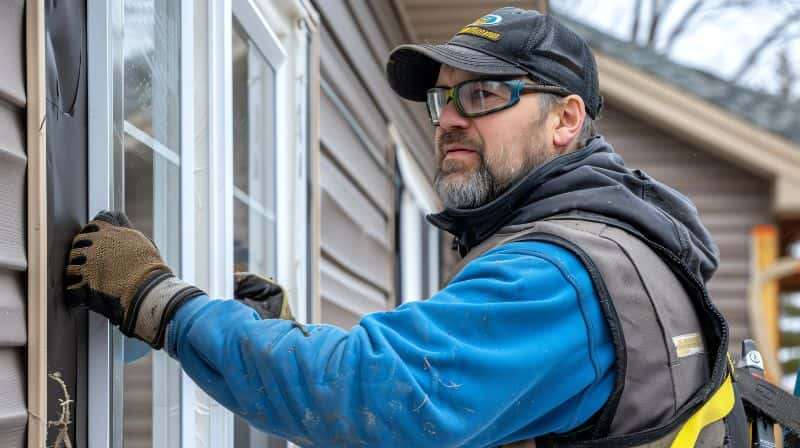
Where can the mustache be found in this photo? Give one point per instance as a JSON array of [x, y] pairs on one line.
[[457, 136]]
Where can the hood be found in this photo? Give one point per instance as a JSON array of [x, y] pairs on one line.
[[594, 180]]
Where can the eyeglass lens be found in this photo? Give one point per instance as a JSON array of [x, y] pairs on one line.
[[437, 99], [474, 98], [483, 96]]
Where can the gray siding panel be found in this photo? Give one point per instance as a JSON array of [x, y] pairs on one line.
[[730, 200], [346, 241], [348, 292], [353, 203], [336, 315], [13, 412], [352, 153], [12, 185], [13, 256], [13, 332], [356, 166], [347, 86], [12, 47], [354, 30]]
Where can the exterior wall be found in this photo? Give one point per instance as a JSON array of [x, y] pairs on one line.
[[13, 259], [731, 202], [438, 21], [67, 184], [357, 168]]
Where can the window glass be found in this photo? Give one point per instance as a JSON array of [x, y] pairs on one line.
[[253, 157], [254, 229], [151, 130]]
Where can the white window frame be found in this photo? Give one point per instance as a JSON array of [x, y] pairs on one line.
[[105, 72], [220, 205], [105, 20], [418, 199], [260, 33], [293, 27]]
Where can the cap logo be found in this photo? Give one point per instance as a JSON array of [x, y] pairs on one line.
[[488, 19], [493, 36]]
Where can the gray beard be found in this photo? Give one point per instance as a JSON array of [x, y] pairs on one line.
[[474, 191], [482, 187]]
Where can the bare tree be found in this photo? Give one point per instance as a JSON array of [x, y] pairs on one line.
[[657, 13], [769, 39], [637, 17], [787, 77], [658, 10], [683, 24]]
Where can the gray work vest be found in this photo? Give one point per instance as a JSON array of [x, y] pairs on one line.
[[665, 352]]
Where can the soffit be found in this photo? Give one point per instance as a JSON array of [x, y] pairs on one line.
[[437, 21]]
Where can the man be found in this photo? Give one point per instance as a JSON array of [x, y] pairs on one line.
[[578, 316]]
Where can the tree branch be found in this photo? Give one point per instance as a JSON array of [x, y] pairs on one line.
[[656, 13], [768, 39], [637, 14], [682, 25]]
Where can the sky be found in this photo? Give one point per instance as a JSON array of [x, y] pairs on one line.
[[718, 39]]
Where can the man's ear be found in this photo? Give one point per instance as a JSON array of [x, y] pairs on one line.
[[570, 116]]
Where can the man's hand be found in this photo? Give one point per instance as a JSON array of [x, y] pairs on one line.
[[263, 294], [118, 272]]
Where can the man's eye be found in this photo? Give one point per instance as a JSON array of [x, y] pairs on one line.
[[482, 94]]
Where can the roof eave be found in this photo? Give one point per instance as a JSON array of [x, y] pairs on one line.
[[706, 125]]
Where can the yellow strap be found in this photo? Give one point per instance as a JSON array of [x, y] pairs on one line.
[[714, 409]]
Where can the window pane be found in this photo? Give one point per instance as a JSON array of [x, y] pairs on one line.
[[152, 69], [254, 180], [241, 240], [151, 381], [254, 156]]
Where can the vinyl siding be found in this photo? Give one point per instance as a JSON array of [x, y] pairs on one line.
[[731, 201], [13, 260], [356, 208], [356, 166]]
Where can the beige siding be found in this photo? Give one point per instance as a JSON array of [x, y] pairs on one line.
[[13, 260], [356, 209], [438, 21], [356, 165], [731, 201], [12, 47], [364, 43]]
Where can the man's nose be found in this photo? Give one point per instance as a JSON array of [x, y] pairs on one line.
[[450, 118]]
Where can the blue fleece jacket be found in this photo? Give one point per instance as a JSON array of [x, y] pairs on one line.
[[514, 347]]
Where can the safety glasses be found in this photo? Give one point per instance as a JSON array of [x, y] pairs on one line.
[[478, 97]]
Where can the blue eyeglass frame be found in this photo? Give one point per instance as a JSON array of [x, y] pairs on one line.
[[517, 86]]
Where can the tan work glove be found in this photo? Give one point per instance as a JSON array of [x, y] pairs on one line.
[[118, 272], [263, 294]]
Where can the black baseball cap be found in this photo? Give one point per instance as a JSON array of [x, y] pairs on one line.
[[508, 42]]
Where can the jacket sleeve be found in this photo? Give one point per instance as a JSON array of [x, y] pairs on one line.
[[514, 347]]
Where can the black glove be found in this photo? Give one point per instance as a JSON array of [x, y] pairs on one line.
[[263, 294]]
